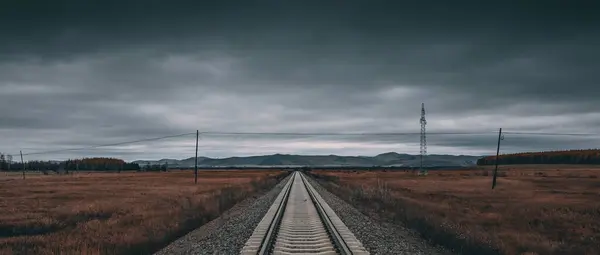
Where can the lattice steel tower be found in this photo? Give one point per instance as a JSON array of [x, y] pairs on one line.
[[423, 139]]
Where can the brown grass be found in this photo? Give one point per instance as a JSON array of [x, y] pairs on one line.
[[533, 210], [117, 213]]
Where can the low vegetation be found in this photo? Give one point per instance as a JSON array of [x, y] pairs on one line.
[[591, 156], [117, 213], [551, 209]]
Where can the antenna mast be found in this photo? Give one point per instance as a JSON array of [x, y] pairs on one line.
[[423, 140]]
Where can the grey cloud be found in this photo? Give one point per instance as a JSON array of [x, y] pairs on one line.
[[75, 74]]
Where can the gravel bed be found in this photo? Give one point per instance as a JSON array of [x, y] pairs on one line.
[[377, 237], [228, 233]]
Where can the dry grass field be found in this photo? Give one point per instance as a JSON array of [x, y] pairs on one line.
[[553, 209], [117, 213]]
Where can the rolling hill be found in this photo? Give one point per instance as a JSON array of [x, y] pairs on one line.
[[385, 159]]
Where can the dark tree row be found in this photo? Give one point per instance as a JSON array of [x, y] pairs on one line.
[[100, 164], [31, 165], [154, 168], [591, 156], [85, 164]]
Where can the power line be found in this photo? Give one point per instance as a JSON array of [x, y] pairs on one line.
[[217, 133], [388, 134], [110, 144], [393, 133], [341, 134], [550, 134]]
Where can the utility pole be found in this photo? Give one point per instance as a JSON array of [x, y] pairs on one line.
[[22, 163], [196, 164], [423, 140], [9, 160], [500, 137]]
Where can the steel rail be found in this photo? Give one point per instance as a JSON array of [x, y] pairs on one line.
[[268, 241], [308, 225], [340, 245]]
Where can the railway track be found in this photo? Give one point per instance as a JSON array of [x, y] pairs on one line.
[[301, 222]]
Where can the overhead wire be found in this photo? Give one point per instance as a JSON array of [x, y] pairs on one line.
[[340, 134], [109, 144], [550, 134], [218, 133]]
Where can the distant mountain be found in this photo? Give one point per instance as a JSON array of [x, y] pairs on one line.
[[170, 162], [385, 159]]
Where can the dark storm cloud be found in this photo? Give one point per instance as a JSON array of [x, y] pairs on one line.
[[91, 72]]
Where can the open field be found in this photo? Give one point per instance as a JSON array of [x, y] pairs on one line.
[[19, 175], [552, 209], [117, 213]]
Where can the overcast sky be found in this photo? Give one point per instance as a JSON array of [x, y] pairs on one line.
[[74, 74]]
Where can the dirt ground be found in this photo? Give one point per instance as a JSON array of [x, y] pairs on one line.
[[543, 209], [116, 213]]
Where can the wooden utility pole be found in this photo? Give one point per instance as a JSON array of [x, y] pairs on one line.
[[497, 159], [196, 164], [22, 163]]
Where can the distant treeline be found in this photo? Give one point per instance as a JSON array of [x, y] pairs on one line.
[[85, 164], [100, 164], [591, 156]]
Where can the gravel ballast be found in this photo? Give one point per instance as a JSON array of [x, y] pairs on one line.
[[377, 237], [228, 233]]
